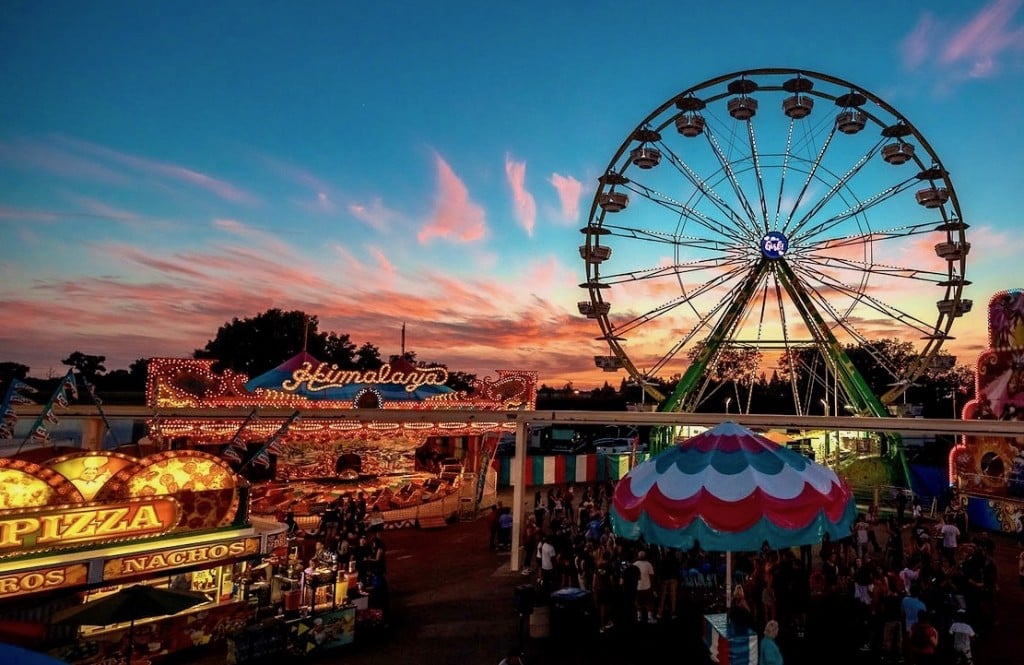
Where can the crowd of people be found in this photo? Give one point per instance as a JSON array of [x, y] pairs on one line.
[[916, 590]]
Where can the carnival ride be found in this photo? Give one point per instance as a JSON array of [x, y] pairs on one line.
[[767, 211]]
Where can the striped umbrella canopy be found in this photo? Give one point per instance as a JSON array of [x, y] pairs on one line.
[[730, 489]]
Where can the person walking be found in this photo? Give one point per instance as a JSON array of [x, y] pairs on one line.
[[768, 651], [962, 634]]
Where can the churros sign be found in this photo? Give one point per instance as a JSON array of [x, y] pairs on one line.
[[42, 579], [56, 527]]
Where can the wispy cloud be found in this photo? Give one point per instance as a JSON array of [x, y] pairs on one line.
[[455, 217], [569, 192], [985, 37], [375, 214], [173, 172], [525, 206], [50, 159], [320, 197], [917, 44], [969, 51]]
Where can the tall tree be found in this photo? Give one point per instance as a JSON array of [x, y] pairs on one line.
[[89, 366], [368, 357], [260, 343]]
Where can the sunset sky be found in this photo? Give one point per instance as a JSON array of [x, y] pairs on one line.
[[166, 167]]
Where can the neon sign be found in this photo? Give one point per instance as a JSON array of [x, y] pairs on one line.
[[77, 525], [327, 376], [43, 579], [148, 562]]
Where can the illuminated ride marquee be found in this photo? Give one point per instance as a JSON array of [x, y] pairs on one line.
[[92, 499], [305, 383], [989, 470]]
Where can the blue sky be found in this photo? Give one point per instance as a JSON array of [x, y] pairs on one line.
[[166, 167]]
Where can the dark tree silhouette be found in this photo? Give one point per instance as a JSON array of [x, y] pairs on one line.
[[367, 357], [88, 366]]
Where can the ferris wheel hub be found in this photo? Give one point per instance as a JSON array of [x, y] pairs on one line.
[[774, 245]]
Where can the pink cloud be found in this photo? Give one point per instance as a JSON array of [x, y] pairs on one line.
[[569, 192], [917, 44], [382, 260], [525, 207], [455, 216], [987, 34], [192, 177], [969, 51], [267, 240]]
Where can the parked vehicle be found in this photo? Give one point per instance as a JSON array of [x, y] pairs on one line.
[[620, 444]]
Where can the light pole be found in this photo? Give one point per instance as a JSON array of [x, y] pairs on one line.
[[728, 401], [824, 406]]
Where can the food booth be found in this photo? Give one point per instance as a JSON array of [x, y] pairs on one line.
[[80, 526]]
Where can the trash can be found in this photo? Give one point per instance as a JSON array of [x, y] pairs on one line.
[[572, 613], [523, 598]]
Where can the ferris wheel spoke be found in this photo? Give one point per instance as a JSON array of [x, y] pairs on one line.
[[783, 172], [684, 299], [758, 176], [862, 206], [732, 264], [892, 312], [843, 263], [833, 191], [808, 180], [702, 187], [672, 239], [685, 211], [749, 222], [866, 237]]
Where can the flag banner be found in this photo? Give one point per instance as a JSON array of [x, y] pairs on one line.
[[69, 385], [40, 433], [238, 441], [9, 415], [6, 431], [60, 398], [275, 445], [92, 393], [261, 459], [19, 386], [18, 398], [51, 417], [231, 455]]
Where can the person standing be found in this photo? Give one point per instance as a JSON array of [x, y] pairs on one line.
[[924, 640], [962, 635], [548, 570], [667, 572], [949, 533], [644, 588], [603, 587], [768, 651]]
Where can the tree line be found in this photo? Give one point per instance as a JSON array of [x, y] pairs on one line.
[[251, 346]]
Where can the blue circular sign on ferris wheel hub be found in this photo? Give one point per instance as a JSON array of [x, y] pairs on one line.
[[774, 245]]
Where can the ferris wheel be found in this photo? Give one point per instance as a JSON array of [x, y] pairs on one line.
[[773, 210]]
